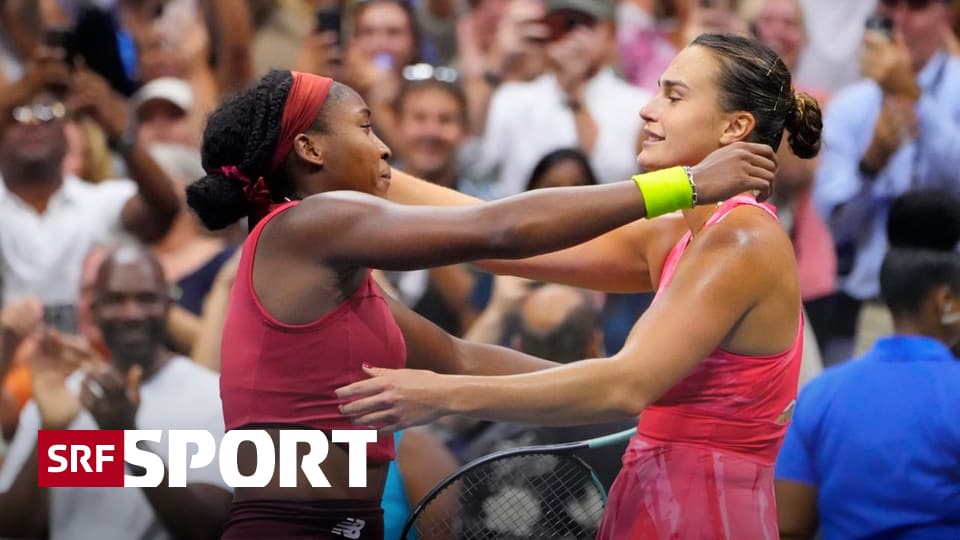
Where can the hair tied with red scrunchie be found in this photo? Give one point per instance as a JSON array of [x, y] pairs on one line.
[[257, 193]]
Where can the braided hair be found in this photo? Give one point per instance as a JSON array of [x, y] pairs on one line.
[[242, 132]]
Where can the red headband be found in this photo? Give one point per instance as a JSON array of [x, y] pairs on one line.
[[307, 96]]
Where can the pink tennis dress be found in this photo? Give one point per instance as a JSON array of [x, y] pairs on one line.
[[701, 465]]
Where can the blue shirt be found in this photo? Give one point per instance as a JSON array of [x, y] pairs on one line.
[[396, 507], [854, 206], [879, 437]]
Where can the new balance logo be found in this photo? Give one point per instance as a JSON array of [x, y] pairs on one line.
[[349, 528]]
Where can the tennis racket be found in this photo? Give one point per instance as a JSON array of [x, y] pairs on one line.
[[544, 491]]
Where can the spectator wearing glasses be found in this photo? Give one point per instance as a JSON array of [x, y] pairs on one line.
[[894, 132], [49, 220], [580, 102], [431, 114]]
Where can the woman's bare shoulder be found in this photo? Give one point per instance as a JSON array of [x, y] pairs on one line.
[[749, 227]]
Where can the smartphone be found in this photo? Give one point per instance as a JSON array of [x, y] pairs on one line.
[[328, 20], [880, 23], [63, 38], [97, 41], [62, 318]]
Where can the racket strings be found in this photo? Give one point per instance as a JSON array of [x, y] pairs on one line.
[[536, 496]]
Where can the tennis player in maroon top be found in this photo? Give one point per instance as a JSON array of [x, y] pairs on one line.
[[296, 155]]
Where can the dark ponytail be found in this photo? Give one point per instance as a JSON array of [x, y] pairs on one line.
[[804, 124], [218, 201], [241, 133]]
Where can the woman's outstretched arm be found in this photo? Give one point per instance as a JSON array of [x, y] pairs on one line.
[[356, 229], [620, 252]]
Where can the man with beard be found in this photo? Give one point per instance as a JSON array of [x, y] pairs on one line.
[[141, 386]]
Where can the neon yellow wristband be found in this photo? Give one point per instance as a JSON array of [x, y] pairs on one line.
[[666, 191]]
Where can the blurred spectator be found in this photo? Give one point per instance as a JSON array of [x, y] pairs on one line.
[[204, 42], [384, 41], [431, 126], [48, 221], [282, 34], [873, 448], [779, 24], [499, 41], [18, 324], [143, 386], [207, 341], [437, 21], [562, 324], [654, 32], [88, 152], [422, 462], [191, 257], [896, 131], [20, 25], [163, 113], [579, 103], [831, 58], [562, 168], [385, 34]]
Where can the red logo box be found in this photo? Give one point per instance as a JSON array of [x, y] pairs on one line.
[[80, 458]]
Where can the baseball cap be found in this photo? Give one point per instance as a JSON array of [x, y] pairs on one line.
[[598, 9], [169, 89]]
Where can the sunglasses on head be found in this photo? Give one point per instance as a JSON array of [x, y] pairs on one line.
[[914, 5], [39, 113]]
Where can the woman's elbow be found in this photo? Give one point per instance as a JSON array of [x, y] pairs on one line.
[[628, 399]]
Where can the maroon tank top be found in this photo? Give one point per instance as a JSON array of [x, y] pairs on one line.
[[273, 373]]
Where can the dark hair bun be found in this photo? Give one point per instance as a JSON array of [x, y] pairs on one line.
[[217, 200], [804, 122], [928, 219]]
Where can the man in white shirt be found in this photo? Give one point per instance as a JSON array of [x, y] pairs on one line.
[[580, 103], [142, 386], [48, 220]]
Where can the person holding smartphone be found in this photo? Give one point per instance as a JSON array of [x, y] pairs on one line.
[[896, 131], [48, 219], [648, 45], [577, 103]]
